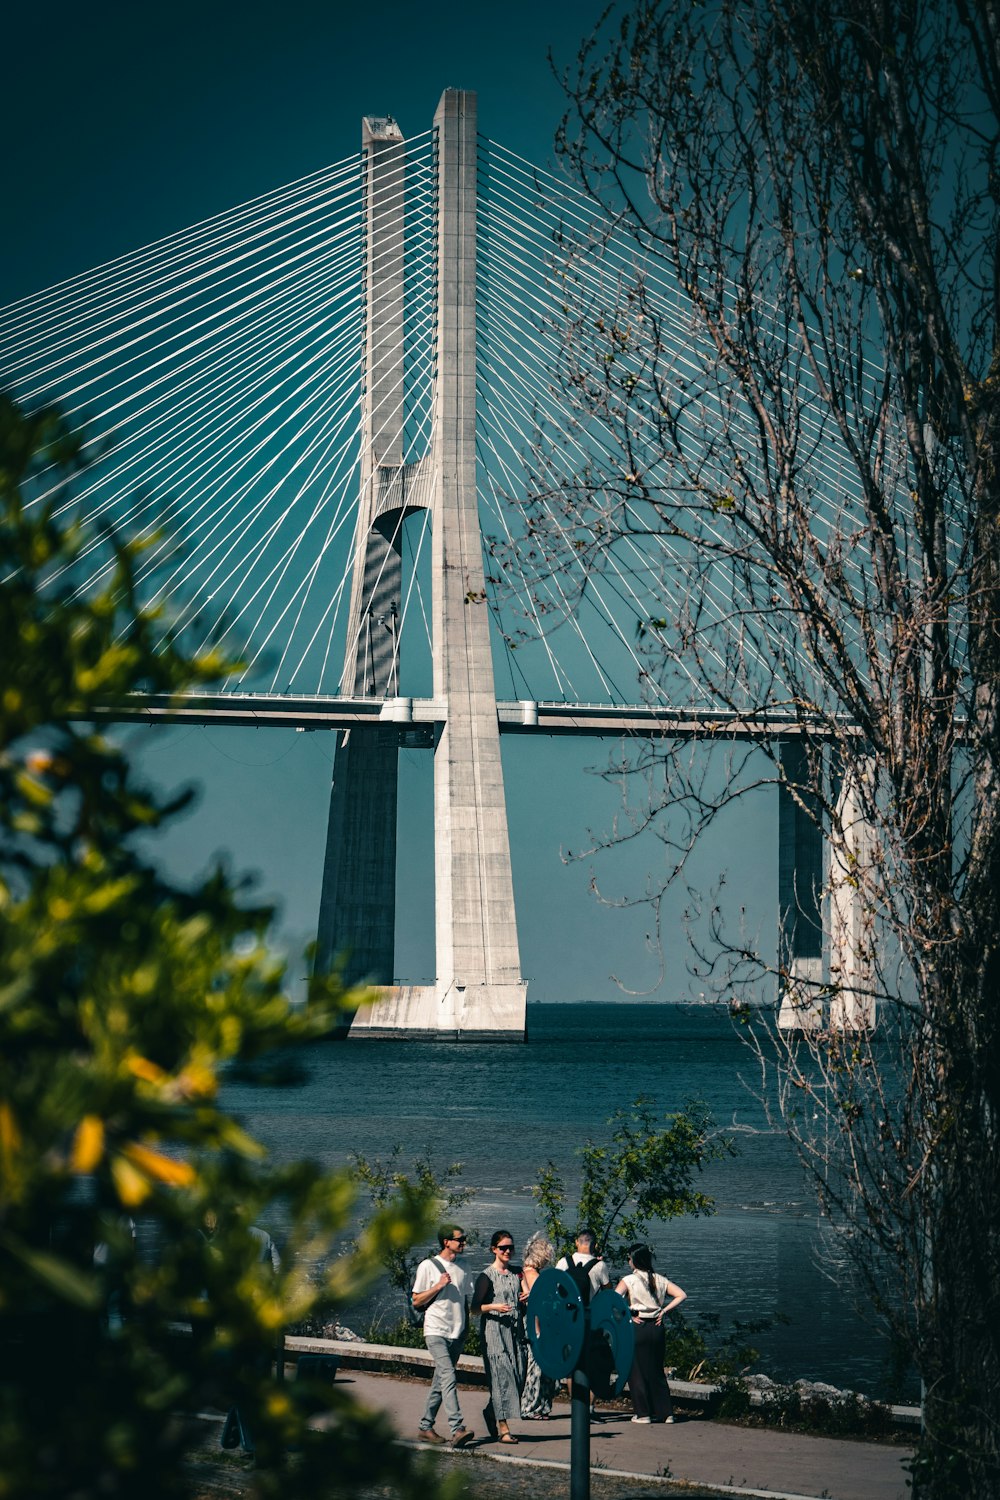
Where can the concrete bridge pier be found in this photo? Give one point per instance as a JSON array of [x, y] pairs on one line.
[[479, 992], [852, 1007], [825, 965], [800, 886], [358, 898]]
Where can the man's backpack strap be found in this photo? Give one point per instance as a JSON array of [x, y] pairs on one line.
[[415, 1314], [436, 1262]]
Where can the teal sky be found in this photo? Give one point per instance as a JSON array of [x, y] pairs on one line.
[[123, 124]]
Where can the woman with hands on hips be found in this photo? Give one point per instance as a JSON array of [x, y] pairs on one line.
[[650, 1297]]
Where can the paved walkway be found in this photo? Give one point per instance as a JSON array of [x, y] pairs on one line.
[[734, 1460]]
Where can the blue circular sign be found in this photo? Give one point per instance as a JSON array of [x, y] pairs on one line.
[[557, 1322], [611, 1321]]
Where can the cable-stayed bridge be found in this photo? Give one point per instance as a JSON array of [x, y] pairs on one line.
[[316, 406]]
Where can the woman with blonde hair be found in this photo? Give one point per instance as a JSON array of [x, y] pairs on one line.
[[539, 1389]]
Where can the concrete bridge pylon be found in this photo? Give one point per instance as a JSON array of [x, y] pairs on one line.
[[478, 992]]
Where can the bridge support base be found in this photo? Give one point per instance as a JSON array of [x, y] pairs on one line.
[[461, 1013]]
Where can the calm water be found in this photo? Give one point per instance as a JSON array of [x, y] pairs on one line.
[[504, 1111]]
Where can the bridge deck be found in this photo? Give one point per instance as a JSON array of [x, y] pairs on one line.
[[416, 717]]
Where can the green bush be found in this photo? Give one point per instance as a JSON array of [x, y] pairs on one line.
[[384, 1181], [844, 1415], [123, 999], [704, 1352], [645, 1171], [799, 1410], [731, 1402], [403, 1335]]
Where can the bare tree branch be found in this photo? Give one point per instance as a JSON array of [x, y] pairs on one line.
[[790, 408]]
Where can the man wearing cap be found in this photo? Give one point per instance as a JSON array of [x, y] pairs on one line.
[[441, 1292]]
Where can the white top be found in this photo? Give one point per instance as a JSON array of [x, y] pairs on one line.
[[444, 1318], [598, 1274], [637, 1291]]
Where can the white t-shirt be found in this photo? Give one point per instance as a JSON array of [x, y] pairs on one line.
[[639, 1300], [444, 1317], [598, 1273]]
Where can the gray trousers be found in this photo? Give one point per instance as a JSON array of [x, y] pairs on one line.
[[444, 1386]]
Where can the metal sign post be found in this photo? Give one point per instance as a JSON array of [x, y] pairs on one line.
[[579, 1438], [568, 1333]]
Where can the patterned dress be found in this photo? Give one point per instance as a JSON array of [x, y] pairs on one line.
[[539, 1390], [503, 1341]]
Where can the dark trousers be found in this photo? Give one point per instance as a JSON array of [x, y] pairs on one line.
[[646, 1381]]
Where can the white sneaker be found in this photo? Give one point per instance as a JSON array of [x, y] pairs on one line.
[[644, 1420], [668, 1419]]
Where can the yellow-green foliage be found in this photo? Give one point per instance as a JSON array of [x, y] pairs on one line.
[[122, 998]]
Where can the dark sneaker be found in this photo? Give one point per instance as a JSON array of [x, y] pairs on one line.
[[428, 1435], [461, 1438]]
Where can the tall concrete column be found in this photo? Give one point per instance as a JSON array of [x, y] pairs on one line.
[[358, 900], [852, 1007], [370, 662], [800, 886], [478, 962], [478, 991]]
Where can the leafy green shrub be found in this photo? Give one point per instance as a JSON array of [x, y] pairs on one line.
[[123, 1000], [383, 1181], [702, 1352], [731, 1402], [403, 1335], [844, 1415], [799, 1409], [644, 1172]]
